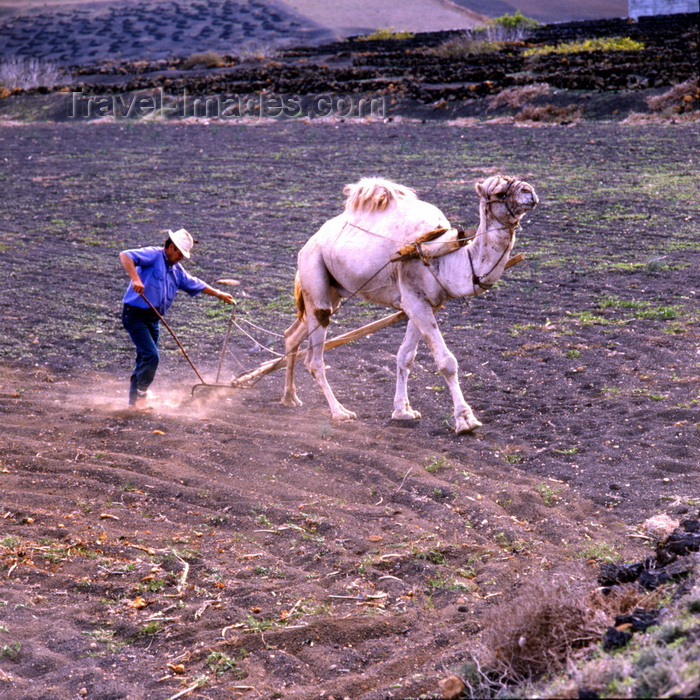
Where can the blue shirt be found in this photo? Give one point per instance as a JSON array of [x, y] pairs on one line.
[[160, 279]]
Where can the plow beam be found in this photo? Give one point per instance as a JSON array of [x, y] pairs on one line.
[[249, 378]]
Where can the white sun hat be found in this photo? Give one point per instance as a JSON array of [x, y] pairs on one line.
[[183, 240]]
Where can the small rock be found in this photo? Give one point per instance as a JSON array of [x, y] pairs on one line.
[[614, 639], [681, 543], [637, 621], [675, 571], [660, 526], [451, 687], [615, 574]]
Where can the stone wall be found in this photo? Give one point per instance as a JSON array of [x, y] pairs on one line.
[[647, 8]]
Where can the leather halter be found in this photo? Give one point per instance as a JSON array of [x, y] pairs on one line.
[[502, 198]]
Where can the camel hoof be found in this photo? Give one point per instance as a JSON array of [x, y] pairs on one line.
[[343, 414], [467, 424], [291, 401], [405, 414]]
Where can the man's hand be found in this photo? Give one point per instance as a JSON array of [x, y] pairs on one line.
[[213, 292]]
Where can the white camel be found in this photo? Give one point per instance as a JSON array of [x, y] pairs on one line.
[[351, 255]]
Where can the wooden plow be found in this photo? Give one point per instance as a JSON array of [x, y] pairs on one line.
[[248, 379]]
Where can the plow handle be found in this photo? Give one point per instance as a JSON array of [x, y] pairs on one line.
[[170, 330]]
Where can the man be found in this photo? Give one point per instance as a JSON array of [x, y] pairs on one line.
[[155, 273]]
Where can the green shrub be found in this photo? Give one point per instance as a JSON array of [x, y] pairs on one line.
[[386, 35], [516, 22], [435, 464], [619, 43], [487, 38]]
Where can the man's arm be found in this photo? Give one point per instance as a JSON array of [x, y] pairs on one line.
[[218, 294], [130, 267]]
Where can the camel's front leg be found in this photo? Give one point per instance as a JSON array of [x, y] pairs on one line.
[[404, 359], [424, 318], [317, 367]]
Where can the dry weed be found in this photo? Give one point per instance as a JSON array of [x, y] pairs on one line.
[[518, 96], [683, 97], [487, 38], [26, 73], [542, 629], [549, 114]]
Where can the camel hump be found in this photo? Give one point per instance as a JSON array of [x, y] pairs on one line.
[[374, 194]]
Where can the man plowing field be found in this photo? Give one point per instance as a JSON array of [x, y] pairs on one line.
[[156, 275]]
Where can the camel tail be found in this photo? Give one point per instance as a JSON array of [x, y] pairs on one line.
[[374, 194], [298, 298]]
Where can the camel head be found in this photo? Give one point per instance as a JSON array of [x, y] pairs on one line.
[[505, 198]]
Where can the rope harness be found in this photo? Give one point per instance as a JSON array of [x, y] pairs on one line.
[[415, 249]]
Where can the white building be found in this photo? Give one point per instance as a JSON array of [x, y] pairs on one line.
[[641, 8]]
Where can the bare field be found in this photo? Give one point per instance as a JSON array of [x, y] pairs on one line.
[[237, 548]]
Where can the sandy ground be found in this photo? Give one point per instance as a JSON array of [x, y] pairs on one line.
[[564, 11], [347, 17]]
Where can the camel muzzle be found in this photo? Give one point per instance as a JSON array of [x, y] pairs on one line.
[[534, 199]]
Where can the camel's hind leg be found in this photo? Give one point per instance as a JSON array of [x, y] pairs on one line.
[[293, 337], [404, 359], [424, 318], [315, 363]]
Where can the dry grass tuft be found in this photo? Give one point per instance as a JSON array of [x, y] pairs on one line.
[[521, 97], [27, 73], [540, 631], [646, 118], [518, 96], [209, 59], [549, 114], [661, 662], [257, 51], [463, 45], [681, 98]]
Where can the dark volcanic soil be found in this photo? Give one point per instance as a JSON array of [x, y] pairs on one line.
[[233, 546]]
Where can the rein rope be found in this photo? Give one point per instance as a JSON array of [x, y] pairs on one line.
[[283, 356]]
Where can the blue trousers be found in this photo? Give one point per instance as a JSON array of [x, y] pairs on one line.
[[143, 327]]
